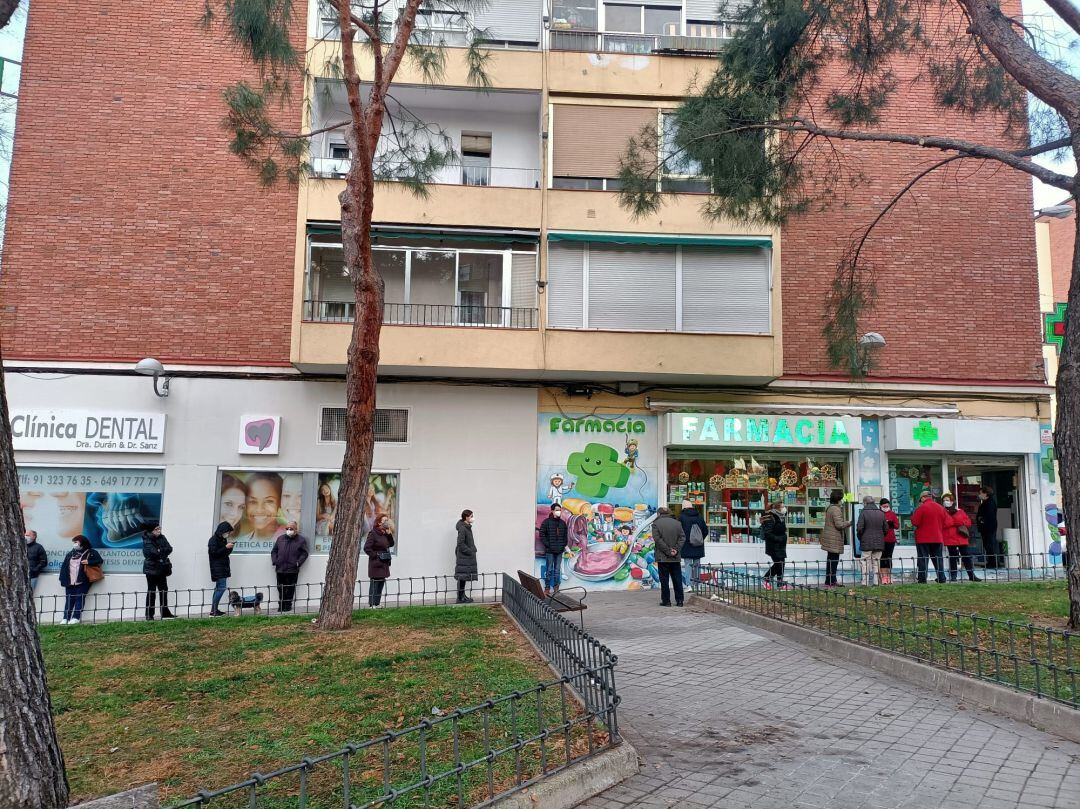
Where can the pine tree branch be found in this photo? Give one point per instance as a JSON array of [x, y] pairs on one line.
[[7, 10], [1068, 11]]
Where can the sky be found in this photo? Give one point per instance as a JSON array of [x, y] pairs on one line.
[[1058, 38]]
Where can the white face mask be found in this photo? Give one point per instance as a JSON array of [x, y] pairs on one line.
[[28, 540], [75, 546], [783, 510], [947, 503], [557, 515], [290, 533]]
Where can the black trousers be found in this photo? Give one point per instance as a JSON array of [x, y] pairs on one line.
[[776, 571], [286, 588], [832, 562], [157, 586], [672, 571], [886, 555], [927, 551], [993, 550], [960, 553], [375, 589]]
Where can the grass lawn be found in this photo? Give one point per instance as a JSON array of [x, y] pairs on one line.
[[196, 704], [948, 625]]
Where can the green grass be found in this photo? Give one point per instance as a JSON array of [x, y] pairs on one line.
[[961, 627], [205, 703]]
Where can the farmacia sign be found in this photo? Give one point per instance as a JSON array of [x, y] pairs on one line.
[[741, 430]]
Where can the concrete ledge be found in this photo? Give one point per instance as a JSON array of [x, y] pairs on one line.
[[144, 797], [578, 782], [1044, 714]]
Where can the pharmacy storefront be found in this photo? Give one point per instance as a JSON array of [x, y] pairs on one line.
[[730, 464]]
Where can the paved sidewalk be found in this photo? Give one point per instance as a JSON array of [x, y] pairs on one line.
[[728, 716]]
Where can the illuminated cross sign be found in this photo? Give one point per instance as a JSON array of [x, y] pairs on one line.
[[925, 433], [826, 432]]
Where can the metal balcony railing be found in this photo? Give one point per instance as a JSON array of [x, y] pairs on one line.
[[427, 314], [601, 42], [493, 176]]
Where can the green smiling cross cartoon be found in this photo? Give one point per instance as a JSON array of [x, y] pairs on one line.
[[597, 470]]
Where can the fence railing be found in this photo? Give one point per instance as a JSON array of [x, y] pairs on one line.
[[425, 314], [1010, 568], [571, 650], [467, 757], [600, 42], [1035, 659], [454, 174], [133, 605]]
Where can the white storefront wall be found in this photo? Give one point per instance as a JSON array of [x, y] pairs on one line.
[[468, 447]]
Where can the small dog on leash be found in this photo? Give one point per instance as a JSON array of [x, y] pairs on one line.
[[240, 603]]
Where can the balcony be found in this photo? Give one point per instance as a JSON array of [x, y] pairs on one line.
[[478, 176], [420, 314], [603, 42]]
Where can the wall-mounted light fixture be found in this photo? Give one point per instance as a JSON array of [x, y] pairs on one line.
[[151, 367]]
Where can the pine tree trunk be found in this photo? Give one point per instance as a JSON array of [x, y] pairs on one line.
[[1067, 431], [361, 377], [31, 764]]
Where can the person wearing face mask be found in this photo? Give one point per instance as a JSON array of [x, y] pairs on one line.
[[377, 547], [986, 518], [553, 535], [957, 533], [157, 568], [218, 548], [930, 520], [73, 577], [871, 529], [36, 558], [774, 533], [288, 556], [693, 550], [465, 567], [892, 523]]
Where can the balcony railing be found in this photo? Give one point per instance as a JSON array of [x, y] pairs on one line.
[[494, 176], [600, 42], [427, 314]]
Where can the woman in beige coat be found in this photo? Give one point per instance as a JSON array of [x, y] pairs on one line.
[[832, 536]]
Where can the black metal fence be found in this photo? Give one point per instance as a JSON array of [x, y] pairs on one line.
[[242, 600], [1035, 659], [466, 757], [427, 314], [1009, 568]]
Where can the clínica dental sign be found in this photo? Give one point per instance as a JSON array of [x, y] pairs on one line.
[[752, 430], [83, 431]]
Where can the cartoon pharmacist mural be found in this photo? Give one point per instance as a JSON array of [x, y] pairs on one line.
[[603, 470]]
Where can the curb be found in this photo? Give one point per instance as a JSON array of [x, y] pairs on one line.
[[1043, 714], [144, 797], [577, 783]]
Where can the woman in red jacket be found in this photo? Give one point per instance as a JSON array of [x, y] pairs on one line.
[[957, 532], [892, 524]]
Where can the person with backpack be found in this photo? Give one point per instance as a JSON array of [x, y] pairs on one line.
[[554, 536], [774, 533], [871, 529], [693, 551]]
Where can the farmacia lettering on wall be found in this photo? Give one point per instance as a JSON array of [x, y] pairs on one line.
[[107, 506]]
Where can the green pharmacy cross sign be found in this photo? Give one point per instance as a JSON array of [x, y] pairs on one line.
[[1054, 326], [925, 433]]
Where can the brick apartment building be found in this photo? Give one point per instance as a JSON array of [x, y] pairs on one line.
[[531, 323]]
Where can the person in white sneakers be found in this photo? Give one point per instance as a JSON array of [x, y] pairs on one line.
[[73, 577]]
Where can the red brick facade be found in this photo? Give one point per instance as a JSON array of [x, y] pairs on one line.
[[957, 283], [131, 230], [1062, 243]]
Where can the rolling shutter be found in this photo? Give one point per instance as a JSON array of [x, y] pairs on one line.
[[709, 10], [566, 287], [631, 288], [522, 281], [588, 141], [726, 290], [511, 20]]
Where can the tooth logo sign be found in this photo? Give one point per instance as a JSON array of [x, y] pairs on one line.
[[259, 433]]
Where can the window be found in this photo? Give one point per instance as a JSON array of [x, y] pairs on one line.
[[624, 19], [640, 287], [339, 150], [575, 14], [476, 158], [641, 19], [588, 141], [391, 425], [679, 173]]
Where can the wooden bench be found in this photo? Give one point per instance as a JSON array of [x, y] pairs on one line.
[[559, 600]]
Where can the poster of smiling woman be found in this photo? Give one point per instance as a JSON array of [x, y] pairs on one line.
[[260, 504], [602, 470]]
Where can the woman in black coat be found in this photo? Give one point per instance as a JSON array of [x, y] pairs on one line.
[[219, 547], [157, 568], [73, 577], [377, 547], [692, 554], [465, 568], [554, 535], [774, 532]]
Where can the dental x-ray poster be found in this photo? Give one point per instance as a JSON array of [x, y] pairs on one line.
[[107, 506]]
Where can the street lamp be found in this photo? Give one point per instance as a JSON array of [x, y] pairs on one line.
[[868, 343], [151, 367]]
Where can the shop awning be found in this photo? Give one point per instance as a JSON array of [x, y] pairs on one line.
[[659, 239]]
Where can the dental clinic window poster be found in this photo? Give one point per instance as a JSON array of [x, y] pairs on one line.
[[107, 506], [603, 470]]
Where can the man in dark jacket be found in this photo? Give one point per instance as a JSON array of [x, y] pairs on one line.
[[157, 568], [465, 565], [693, 551], [986, 518], [554, 536], [288, 556], [774, 532], [36, 558], [219, 549], [669, 539], [871, 530]]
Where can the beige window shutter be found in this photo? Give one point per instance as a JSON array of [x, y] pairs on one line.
[[589, 140]]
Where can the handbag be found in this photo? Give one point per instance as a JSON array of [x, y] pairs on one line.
[[94, 573], [964, 531], [384, 556]]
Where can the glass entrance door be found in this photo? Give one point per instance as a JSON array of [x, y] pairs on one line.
[[1002, 479]]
